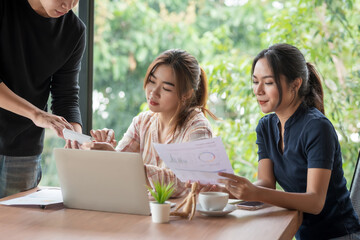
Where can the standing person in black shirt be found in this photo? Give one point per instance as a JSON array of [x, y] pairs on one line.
[[41, 47]]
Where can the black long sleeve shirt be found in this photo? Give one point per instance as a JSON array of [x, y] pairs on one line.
[[38, 56]]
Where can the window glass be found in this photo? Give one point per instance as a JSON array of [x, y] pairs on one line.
[[224, 36]]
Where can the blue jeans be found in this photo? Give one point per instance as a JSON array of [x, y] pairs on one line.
[[19, 174]]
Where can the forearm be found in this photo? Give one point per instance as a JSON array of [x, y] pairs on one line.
[[305, 202], [263, 183], [13, 103]]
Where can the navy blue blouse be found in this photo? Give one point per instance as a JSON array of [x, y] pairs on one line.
[[310, 141]]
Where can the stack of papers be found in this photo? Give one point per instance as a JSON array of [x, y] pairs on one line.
[[42, 197], [196, 161]]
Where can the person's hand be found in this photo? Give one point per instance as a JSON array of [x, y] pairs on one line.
[[105, 135], [206, 187], [97, 146], [72, 144], [239, 187], [47, 120]]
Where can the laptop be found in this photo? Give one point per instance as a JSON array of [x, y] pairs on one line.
[[102, 180]]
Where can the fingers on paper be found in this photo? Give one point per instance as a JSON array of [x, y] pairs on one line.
[[103, 135], [228, 175], [72, 144]]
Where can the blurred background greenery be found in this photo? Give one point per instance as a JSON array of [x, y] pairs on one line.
[[224, 35]]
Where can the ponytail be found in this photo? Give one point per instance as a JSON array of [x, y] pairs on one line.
[[315, 96], [201, 91], [202, 95]]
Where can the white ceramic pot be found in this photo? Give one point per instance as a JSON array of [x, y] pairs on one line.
[[160, 213]]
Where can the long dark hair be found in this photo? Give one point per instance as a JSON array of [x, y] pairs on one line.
[[188, 76], [287, 60]]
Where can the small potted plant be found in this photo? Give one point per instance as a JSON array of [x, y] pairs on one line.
[[160, 208]]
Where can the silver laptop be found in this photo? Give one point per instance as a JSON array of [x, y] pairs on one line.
[[102, 180]]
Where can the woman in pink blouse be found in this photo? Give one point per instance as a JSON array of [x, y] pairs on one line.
[[176, 92]]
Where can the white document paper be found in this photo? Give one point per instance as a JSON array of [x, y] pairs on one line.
[[75, 136], [42, 198], [196, 161]]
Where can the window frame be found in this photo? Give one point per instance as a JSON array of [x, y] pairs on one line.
[[86, 14]]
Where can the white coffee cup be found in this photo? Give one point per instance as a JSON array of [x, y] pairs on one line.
[[213, 201]]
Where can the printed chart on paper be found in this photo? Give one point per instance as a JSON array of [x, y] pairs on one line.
[[197, 161]]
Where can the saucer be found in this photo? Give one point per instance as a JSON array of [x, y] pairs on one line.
[[227, 209]]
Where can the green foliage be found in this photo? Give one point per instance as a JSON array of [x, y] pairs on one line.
[[328, 33], [162, 191], [134, 33], [49, 173], [225, 38]]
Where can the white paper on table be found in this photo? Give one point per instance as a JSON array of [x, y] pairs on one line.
[[42, 197], [196, 161]]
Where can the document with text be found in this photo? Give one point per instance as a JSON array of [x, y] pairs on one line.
[[196, 161], [42, 197]]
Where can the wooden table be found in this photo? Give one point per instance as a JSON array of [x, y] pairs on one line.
[[57, 222]]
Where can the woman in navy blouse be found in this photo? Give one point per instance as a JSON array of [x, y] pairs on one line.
[[298, 148]]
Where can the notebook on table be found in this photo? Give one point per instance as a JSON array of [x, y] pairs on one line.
[[102, 180]]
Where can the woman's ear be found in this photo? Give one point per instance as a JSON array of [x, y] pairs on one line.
[[187, 95], [297, 84]]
